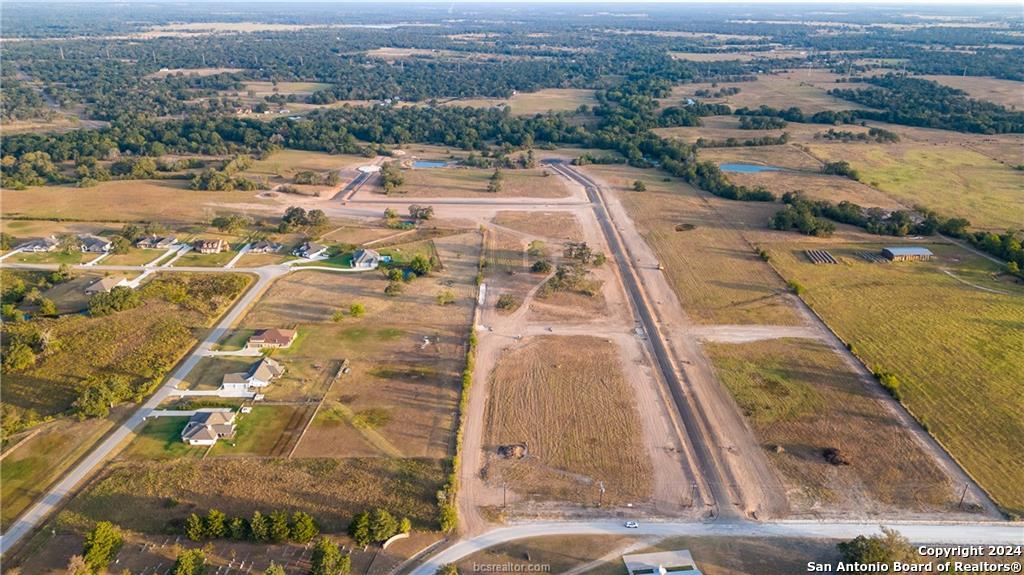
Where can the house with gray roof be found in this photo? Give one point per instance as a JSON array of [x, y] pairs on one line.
[[94, 244], [366, 259], [206, 426], [47, 244], [260, 374]]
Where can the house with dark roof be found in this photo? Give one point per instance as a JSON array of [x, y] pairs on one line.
[[206, 426], [273, 337], [94, 244], [264, 247], [156, 242], [309, 250], [47, 244]]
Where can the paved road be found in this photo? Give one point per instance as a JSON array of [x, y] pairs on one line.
[[52, 499], [919, 533], [690, 413]]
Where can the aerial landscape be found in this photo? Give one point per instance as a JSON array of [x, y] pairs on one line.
[[437, 288]]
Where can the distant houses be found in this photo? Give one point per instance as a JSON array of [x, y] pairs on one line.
[[366, 259], [264, 247], [105, 284], [208, 246], [310, 250], [260, 374], [47, 244], [206, 426], [156, 242], [271, 338], [907, 254]]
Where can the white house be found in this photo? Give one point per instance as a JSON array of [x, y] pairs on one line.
[[365, 259], [260, 374], [209, 425]]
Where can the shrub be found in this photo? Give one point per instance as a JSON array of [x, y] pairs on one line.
[[508, 302], [101, 545], [541, 267]]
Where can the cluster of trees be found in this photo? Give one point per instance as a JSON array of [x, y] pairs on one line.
[[101, 546], [275, 527], [232, 223], [377, 526], [840, 168], [296, 218], [118, 299], [809, 217], [418, 212], [719, 93], [761, 123], [397, 274], [98, 394], [583, 253], [735, 143], [1007, 245], [309, 177], [800, 215], [391, 176], [919, 102], [226, 179], [571, 277], [879, 135], [495, 181]]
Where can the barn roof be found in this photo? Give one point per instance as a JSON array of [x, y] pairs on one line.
[[909, 251]]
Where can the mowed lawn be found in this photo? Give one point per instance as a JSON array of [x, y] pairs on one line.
[[160, 438], [568, 400], [956, 346], [949, 179], [799, 394], [715, 273]]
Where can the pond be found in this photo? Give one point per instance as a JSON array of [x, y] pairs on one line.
[[429, 164], [747, 168]]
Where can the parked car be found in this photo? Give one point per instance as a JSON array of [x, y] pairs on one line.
[[632, 525]]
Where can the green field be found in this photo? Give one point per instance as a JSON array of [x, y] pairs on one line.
[[257, 431], [161, 439], [954, 342], [51, 258], [949, 179]]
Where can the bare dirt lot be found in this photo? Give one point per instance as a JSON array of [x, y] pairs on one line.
[[560, 225], [566, 401]]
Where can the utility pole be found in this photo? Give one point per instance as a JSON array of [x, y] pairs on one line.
[[600, 502], [962, 495]]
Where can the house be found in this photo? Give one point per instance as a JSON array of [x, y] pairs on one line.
[[47, 244], [264, 247], [309, 250], [273, 337], [156, 242], [105, 284], [260, 374], [206, 426], [94, 244], [907, 254], [209, 246], [661, 563], [365, 259]]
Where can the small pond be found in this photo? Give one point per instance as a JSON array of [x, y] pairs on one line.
[[429, 164], [747, 168]]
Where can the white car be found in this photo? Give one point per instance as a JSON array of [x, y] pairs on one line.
[[632, 525]]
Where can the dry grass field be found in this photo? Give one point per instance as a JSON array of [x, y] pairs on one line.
[[800, 395], [138, 200], [784, 156], [539, 102], [560, 225], [744, 56], [714, 272], [165, 72], [400, 392], [472, 182], [818, 186], [949, 179], [31, 466], [559, 553], [146, 496], [567, 399], [953, 342], [1008, 93], [261, 89]]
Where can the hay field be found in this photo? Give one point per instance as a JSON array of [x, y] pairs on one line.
[[472, 182], [261, 89], [949, 179], [539, 102], [744, 56], [165, 72], [955, 347], [783, 156], [799, 394], [568, 400], [714, 272], [1008, 93], [135, 200]]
